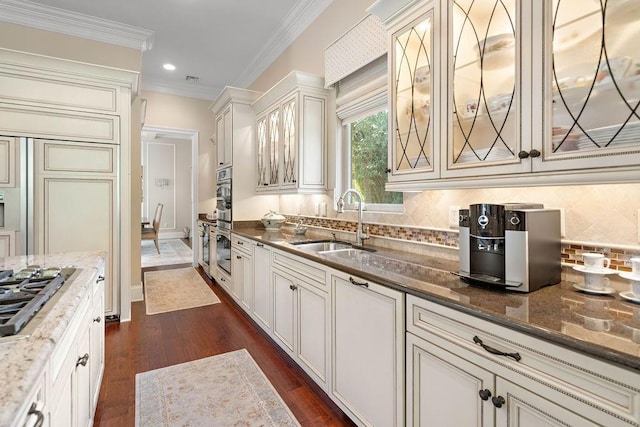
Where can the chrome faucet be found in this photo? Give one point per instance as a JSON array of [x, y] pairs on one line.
[[361, 232]]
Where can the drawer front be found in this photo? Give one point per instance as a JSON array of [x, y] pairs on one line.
[[79, 158], [605, 393], [241, 244], [308, 269]]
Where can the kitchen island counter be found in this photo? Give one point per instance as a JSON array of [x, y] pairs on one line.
[[604, 326], [25, 358]]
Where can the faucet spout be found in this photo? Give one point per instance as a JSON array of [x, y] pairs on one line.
[[361, 234]]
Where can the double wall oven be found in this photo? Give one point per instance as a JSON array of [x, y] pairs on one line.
[[223, 221]]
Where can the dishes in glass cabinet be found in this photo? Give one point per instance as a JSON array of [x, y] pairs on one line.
[[497, 51], [616, 67], [422, 79]]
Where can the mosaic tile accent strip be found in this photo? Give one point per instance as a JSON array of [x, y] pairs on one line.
[[571, 253]]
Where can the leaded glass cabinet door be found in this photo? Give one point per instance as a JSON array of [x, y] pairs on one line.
[[289, 138], [262, 153], [273, 136], [484, 66], [415, 98], [593, 84]]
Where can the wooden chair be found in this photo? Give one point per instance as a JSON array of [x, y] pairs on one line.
[[151, 233]]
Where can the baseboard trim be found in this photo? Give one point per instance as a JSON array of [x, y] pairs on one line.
[[136, 293], [171, 235]]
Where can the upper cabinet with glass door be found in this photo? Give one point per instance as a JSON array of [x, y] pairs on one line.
[[412, 150], [291, 136], [592, 114]]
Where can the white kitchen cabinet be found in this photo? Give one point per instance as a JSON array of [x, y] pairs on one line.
[[233, 119], [7, 243], [301, 314], [262, 296], [242, 272], [96, 361], [291, 136], [76, 203], [35, 410], [451, 376], [367, 350], [8, 161], [507, 95]]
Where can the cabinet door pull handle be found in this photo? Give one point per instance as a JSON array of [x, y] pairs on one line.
[[498, 401], [100, 279], [260, 245], [355, 282], [239, 242], [82, 360], [33, 410], [293, 287], [484, 394], [97, 319], [238, 257], [222, 279], [515, 356]]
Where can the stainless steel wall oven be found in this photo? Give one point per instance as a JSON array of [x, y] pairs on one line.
[[223, 220]]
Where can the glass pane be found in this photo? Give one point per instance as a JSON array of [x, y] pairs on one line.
[[414, 128], [369, 154], [262, 151], [596, 75], [288, 143], [274, 139], [484, 81]]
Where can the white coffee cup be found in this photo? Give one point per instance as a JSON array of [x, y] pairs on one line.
[[635, 266], [597, 282], [595, 324], [635, 288], [595, 262]]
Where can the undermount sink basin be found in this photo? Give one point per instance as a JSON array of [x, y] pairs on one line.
[[331, 246]]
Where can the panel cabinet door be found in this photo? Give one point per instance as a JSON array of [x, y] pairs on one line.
[[367, 350], [237, 274], [245, 287], [443, 389], [488, 44], [289, 142], [227, 117], [592, 86], [75, 204], [262, 153], [284, 310], [96, 360], [262, 287], [522, 408], [8, 162], [220, 140], [313, 331], [82, 394]]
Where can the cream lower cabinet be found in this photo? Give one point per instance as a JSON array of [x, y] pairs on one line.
[[367, 322], [262, 307], [301, 314], [453, 380], [76, 203], [242, 272]]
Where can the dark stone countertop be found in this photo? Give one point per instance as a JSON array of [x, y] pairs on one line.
[[607, 326]]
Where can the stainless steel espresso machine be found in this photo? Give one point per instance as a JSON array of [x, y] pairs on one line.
[[515, 246]]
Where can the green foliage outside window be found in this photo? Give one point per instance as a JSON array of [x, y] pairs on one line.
[[369, 159]]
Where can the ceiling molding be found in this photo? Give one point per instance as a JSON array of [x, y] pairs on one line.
[[47, 18], [293, 25], [180, 89]]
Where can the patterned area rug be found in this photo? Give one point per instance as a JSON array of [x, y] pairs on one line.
[[178, 289], [172, 251], [224, 390]]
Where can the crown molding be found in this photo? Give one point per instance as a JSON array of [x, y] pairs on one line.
[[47, 18], [189, 90], [293, 25]]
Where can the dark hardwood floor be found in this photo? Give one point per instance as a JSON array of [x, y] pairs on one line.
[[152, 342]]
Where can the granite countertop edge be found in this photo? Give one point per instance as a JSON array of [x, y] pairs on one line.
[[280, 242], [25, 359]]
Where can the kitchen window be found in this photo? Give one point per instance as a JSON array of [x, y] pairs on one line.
[[364, 117]]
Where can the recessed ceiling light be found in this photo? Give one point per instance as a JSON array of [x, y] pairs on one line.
[[169, 67]]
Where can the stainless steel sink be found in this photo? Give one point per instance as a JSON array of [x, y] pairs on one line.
[[323, 246], [331, 246]]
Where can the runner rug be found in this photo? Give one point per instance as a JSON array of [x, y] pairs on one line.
[[224, 390], [172, 251], [177, 289]]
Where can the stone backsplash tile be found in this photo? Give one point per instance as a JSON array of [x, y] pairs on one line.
[[571, 252]]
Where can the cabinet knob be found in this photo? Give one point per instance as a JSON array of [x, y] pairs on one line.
[[387, 170], [498, 401], [97, 319], [523, 154], [534, 153], [239, 242], [100, 279], [294, 181], [484, 394], [33, 410], [260, 245], [82, 360], [265, 184], [293, 287], [238, 257], [221, 163]]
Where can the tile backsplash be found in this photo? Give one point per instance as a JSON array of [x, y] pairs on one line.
[[598, 218]]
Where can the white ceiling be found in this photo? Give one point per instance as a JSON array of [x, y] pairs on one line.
[[221, 42]]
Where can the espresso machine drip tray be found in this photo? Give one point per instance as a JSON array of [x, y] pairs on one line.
[[485, 279]]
